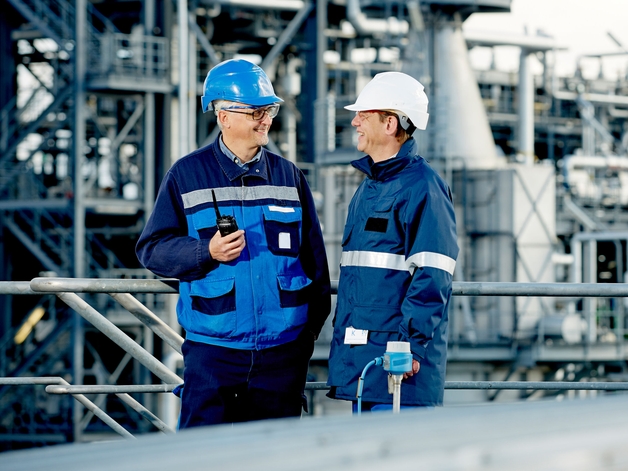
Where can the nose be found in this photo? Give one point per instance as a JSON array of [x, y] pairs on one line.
[[355, 121], [267, 119]]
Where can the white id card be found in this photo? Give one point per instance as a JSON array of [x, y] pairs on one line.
[[284, 240], [356, 336]]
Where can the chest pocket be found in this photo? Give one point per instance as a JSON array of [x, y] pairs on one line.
[[379, 219], [282, 226], [204, 224]]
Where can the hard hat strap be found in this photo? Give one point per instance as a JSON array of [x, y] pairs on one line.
[[406, 124]]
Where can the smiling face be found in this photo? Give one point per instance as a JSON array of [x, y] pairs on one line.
[[243, 135], [373, 133]]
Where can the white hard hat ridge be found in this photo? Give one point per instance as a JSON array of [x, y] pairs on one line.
[[395, 91]]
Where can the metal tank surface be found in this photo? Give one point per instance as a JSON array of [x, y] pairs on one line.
[[574, 435]]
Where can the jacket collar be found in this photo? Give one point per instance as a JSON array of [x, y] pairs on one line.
[[233, 171], [383, 170]]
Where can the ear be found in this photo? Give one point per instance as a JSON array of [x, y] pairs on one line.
[[223, 118], [391, 125]]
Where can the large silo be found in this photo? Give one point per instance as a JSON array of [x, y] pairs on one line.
[[505, 206]]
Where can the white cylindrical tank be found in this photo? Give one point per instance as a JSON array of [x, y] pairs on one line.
[[461, 130]]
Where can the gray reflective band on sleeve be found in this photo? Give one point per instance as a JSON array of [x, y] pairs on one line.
[[431, 259], [398, 262], [373, 260], [247, 193]]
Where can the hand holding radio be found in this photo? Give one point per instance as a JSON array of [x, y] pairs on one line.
[[226, 245], [226, 224]]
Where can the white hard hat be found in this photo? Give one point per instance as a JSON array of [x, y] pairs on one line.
[[398, 92]]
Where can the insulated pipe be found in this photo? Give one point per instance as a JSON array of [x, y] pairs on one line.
[[367, 26], [264, 4], [526, 108], [597, 98]]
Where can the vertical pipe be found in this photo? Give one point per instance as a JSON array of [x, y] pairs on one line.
[[321, 46], [79, 137], [150, 135], [182, 21], [526, 108], [329, 221], [619, 319], [291, 134], [590, 276], [79, 208], [396, 379], [321, 78], [149, 17], [192, 83]]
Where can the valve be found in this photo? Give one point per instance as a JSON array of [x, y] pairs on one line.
[[397, 360]]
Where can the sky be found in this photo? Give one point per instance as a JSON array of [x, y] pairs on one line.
[[581, 26]]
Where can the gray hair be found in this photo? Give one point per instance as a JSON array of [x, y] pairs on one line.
[[218, 105]]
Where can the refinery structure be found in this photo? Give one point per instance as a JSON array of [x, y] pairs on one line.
[[98, 99]]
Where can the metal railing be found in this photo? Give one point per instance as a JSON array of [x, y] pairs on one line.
[[139, 57], [122, 290]]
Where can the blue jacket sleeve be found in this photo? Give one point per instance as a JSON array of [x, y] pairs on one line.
[[314, 260], [431, 246], [164, 247]]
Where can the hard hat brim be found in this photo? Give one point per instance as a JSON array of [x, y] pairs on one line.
[[419, 119]]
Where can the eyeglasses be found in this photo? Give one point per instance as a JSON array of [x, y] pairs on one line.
[[364, 115], [256, 114]]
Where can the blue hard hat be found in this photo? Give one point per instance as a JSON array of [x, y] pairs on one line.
[[238, 80]]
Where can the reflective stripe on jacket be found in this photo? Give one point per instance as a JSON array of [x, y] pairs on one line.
[[280, 282], [398, 258]]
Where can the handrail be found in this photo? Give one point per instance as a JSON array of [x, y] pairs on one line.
[[118, 336], [89, 405], [459, 288], [104, 285], [517, 385], [121, 291]]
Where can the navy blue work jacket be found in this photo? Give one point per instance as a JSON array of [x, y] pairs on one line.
[[279, 284], [399, 251]]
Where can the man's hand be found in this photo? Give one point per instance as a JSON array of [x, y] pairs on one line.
[[227, 248], [416, 366]]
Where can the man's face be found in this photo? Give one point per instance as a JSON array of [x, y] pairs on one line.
[[370, 130], [244, 128]]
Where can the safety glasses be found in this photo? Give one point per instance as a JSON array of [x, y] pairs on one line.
[[364, 115], [256, 114]]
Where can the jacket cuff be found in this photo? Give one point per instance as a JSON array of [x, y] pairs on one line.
[[417, 349], [203, 257]]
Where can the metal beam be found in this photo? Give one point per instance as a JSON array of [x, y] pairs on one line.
[[287, 35]]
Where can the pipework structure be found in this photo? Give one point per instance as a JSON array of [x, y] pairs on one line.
[[98, 99]]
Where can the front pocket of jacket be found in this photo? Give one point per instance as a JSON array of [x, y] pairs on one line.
[[282, 226], [213, 297], [293, 290], [203, 224], [376, 318]]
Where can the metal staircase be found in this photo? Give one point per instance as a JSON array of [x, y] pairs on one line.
[[38, 172]]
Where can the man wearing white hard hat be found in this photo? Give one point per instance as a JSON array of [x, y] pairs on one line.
[[399, 252]]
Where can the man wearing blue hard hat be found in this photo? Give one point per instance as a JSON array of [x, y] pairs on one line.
[[236, 224]]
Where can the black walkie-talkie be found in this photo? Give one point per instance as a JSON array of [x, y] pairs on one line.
[[226, 224]]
